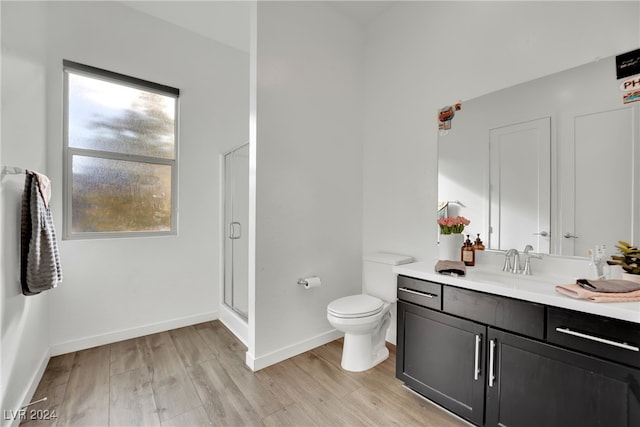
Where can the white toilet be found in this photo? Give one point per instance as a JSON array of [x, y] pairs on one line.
[[364, 318]]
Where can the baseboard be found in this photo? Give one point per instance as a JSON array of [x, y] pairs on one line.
[[406, 387], [125, 334], [235, 324], [13, 418], [255, 364]]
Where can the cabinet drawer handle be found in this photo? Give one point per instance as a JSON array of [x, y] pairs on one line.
[[492, 350], [600, 340], [476, 366], [422, 294]]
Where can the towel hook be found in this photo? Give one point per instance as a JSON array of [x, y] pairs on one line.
[[12, 170]]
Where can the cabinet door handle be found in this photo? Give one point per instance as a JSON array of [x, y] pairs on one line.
[[476, 366], [422, 294], [492, 350], [598, 339]]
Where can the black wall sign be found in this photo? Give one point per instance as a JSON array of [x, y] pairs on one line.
[[628, 64]]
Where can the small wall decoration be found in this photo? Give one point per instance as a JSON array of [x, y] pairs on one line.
[[632, 88], [630, 97], [632, 83], [445, 115], [628, 64]]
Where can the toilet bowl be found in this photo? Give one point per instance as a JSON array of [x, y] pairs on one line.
[[365, 318]]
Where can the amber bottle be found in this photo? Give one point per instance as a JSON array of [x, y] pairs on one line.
[[478, 245], [468, 253]]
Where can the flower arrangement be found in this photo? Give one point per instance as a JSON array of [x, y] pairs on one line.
[[629, 259], [451, 225]]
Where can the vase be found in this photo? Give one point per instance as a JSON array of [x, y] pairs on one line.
[[449, 246]]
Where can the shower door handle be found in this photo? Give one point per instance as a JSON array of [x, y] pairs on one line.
[[232, 230]]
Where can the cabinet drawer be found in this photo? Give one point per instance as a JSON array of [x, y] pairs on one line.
[[421, 292], [521, 317], [611, 339]]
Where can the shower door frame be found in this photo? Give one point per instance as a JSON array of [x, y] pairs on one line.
[[234, 319]]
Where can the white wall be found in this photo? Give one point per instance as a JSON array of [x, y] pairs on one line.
[[122, 287], [421, 56], [117, 288], [24, 342], [309, 171]]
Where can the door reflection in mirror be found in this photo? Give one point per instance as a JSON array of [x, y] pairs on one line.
[[592, 174]]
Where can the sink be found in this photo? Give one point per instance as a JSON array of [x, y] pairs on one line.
[[546, 271], [515, 280]]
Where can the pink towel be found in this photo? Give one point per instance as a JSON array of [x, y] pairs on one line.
[[576, 291]]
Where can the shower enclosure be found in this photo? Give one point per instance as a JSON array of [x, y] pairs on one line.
[[235, 307]]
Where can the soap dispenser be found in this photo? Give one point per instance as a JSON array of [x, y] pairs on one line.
[[478, 245], [597, 263], [468, 253]]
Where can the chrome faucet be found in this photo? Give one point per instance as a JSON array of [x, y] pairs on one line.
[[527, 262], [507, 261], [516, 262], [514, 266], [508, 265]]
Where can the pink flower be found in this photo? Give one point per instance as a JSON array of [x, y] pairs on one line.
[[451, 225]]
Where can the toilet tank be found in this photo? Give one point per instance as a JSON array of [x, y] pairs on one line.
[[378, 276]]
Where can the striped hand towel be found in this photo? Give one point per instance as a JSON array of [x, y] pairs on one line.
[[39, 257]]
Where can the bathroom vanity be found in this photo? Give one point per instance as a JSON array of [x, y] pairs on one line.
[[502, 349]]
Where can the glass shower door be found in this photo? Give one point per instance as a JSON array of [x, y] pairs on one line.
[[236, 215]]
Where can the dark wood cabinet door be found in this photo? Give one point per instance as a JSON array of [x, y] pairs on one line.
[[441, 357], [537, 384]]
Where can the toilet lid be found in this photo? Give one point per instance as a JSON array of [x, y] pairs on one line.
[[355, 306]]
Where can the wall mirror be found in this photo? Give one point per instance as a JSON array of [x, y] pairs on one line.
[[552, 163]]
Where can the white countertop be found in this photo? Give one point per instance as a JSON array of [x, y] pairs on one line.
[[539, 289]]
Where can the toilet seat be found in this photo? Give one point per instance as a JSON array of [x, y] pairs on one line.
[[355, 306]]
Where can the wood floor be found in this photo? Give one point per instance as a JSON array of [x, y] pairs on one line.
[[196, 376]]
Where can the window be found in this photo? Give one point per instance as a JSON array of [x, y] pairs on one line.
[[120, 154]]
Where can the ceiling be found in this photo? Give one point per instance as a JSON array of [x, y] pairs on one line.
[[224, 21], [361, 11], [228, 21]]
